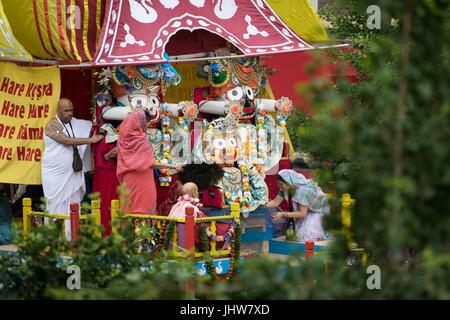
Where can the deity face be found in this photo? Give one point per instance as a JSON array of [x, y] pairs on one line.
[[242, 102], [149, 103]]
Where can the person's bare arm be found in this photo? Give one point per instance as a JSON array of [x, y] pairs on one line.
[[159, 165], [295, 214], [55, 131], [111, 154], [274, 203]]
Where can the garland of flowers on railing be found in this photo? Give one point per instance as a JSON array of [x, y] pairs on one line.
[[168, 235], [235, 252], [35, 221], [226, 236], [165, 234]]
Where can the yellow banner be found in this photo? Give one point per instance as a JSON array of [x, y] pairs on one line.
[[28, 98]]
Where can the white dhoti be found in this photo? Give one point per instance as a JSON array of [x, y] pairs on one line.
[[62, 186]]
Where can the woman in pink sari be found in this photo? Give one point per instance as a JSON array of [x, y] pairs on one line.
[[135, 164]]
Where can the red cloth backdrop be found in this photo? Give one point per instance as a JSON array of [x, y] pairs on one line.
[[295, 69], [76, 85]]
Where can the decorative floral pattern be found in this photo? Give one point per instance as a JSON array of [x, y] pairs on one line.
[[231, 19]]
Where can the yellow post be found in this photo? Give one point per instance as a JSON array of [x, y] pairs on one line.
[[346, 201], [95, 208], [26, 202], [236, 211], [115, 207], [62, 227], [175, 238], [214, 232]]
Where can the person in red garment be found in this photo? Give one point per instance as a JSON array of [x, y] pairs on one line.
[[135, 164], [105, 179]]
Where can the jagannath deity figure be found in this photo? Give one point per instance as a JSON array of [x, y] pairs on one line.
[[243, 133], [169, 126]]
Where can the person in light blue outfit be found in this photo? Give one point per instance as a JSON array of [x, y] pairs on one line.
[[309, 204]]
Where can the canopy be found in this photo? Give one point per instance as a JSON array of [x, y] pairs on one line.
[[69, 30], [10, 48], [56, 29], [138, 31], [301, 17]]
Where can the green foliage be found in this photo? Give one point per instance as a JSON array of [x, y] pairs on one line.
[[27, 275], [389, 142]]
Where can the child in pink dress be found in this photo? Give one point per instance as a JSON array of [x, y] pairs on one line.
[[188, 199]]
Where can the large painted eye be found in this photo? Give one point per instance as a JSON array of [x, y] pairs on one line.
[[139, 101], [219, 144], [249, 92], [235, 93], [153, 105]]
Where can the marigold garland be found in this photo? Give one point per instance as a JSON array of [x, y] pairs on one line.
[[165, 234], [235, 252]]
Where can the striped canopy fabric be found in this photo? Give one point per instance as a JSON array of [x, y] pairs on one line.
[[56, 29], [10, 48]]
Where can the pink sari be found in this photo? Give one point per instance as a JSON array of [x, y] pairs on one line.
[[135, 158]]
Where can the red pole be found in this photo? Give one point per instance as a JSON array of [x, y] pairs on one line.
[[190, 247], [190, 231], [74, 220], [309, 253], [309, 249]]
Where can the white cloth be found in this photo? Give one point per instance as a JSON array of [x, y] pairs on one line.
[[310, 227], [60, 183]]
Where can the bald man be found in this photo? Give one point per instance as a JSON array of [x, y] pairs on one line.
[[61, 184]]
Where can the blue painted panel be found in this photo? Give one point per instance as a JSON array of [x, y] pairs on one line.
[[290, 247], [222, 266], [256, 235]]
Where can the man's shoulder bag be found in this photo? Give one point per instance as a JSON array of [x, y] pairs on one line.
[[77, 163]]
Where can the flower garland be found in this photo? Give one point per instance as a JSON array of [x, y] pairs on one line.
[[159, 244], [246, 192], [167, 132], [188, 112], [262, 125], [235, 253], [234, 108], [165, 234], [35, 221], [168, 235], [208, 138], [246, 198], [283, 108], [226, 236]]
